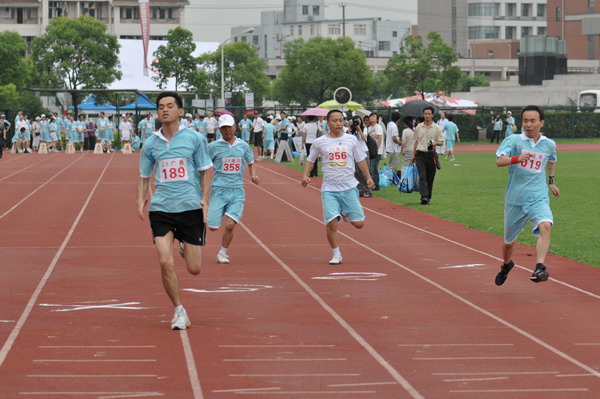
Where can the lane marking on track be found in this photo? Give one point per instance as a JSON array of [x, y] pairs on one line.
[[362, 384], [25, 168], [354, 276], [462, 266], [71, 308], [240, 390], [437, 236], [345, 325], [502, 373], [449, 292], [96, 346], [444, 345], [275, 346], [39, 188], [476, 379], [100, 395], [296, 375], [324, 359], [519, 390], [38, 290], [286, 393], [92, 376], [477, 358], [94, 360], [236, 288], [191, 365]]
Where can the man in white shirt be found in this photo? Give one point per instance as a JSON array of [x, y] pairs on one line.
[[125, 128], [258, 127], [339, 194], [392, 142]]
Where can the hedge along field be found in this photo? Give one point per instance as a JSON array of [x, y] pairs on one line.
[[470, 191]]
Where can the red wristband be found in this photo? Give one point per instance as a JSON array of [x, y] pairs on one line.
[[514, 159]]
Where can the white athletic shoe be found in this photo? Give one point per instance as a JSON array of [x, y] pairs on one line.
[[180, 320], [336, 260], [344, 216], [28, 150], [222, 258]]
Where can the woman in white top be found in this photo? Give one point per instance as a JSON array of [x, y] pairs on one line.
[[408, 142], [311, 131]]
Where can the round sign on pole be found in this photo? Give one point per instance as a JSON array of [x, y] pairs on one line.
[[342, 95]]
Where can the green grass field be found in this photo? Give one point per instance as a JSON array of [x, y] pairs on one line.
[[470, 191]]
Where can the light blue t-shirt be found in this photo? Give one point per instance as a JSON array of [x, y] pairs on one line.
[[527, 183], [176, 165], [228, 160], [102, 125], [450, 128], [245, 125], [269, 131], [508, 130], [146, 128], [284, 124], [200, 126]]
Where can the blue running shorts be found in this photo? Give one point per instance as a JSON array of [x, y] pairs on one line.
[[225, 201], [516, 216], [336, 201]]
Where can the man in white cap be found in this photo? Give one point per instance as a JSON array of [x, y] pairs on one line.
[[227, 189], [510, 127]]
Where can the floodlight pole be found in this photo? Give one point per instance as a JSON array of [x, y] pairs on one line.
[[249, 30]]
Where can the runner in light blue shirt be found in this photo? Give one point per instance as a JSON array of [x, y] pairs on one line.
[[245, 125], [178, 158], [227, 193], [146, 128], [527, 156], [452, 135]]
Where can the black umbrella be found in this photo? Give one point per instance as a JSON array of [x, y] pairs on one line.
[[415, 108]]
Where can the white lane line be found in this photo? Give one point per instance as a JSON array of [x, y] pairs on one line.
[[286, 393], [438, 236], [191, 365], [101, 395], [462, 266], [476, 379], [349, 329], [94, 360], [295, 375], [96, 346], [477, 358], [588, 343], [450, 345], [501, 373], [38, 188], [575, 375], [334, 359], [449, 292], [362, 384], [92, 375], [275, 346], [25, 168], [239, 390], [38, 290], [519, 390]]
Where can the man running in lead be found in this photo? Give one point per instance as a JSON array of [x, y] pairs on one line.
[[526, 198], [227, 194], [339, 152], [179, 159]]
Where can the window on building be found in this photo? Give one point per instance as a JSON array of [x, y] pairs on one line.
[[384, 45], [55, 9], [158, 13], [541, 31], [394, 33], [360, 29], [558, 14], [511, 9], [526, 31], [255, 40], [541, 10], [244, 39], [526, 9], [591, 5], [484, 32], [299, 30], [316, 10], [510, 32], [312, 30], [490, 54], [484, 9], [130, 13], [304, 10], [334, 29], [291, 30]]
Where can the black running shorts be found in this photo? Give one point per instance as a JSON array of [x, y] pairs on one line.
[[186, 226], [258, 141]]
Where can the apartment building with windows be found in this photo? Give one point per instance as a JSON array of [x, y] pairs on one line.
[[577, 22], [31, 17]]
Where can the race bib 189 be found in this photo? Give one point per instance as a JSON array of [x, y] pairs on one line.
[[172, 169], [534, 163], [232, 165]]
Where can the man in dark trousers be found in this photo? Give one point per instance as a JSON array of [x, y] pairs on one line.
[[427, 136]]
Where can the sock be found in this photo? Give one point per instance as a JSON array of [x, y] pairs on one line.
[[336, 251], [223, 250], [179, 308]]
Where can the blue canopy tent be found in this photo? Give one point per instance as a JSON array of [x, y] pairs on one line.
[[142, 103], [90, 105]]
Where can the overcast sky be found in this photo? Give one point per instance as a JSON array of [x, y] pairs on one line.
[[212, 23]]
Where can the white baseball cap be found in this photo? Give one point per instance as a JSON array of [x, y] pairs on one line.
[[188, 115], [226, 120]]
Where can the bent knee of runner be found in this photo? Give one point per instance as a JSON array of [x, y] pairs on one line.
[[358, 224]]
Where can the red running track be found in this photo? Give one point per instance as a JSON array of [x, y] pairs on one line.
[[411, 313]]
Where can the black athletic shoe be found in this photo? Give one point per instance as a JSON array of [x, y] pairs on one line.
[[424, 201], [539, 274], [503, 273]]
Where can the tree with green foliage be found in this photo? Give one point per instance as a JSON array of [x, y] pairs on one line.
[[314, 69], [466, 81], [76, 53], [244, 72], [175, 60], [14, 67], [423, 68]]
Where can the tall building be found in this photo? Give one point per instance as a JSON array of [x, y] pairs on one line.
[[31, 17], [305, 19], [472, 26], [577, 22]]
